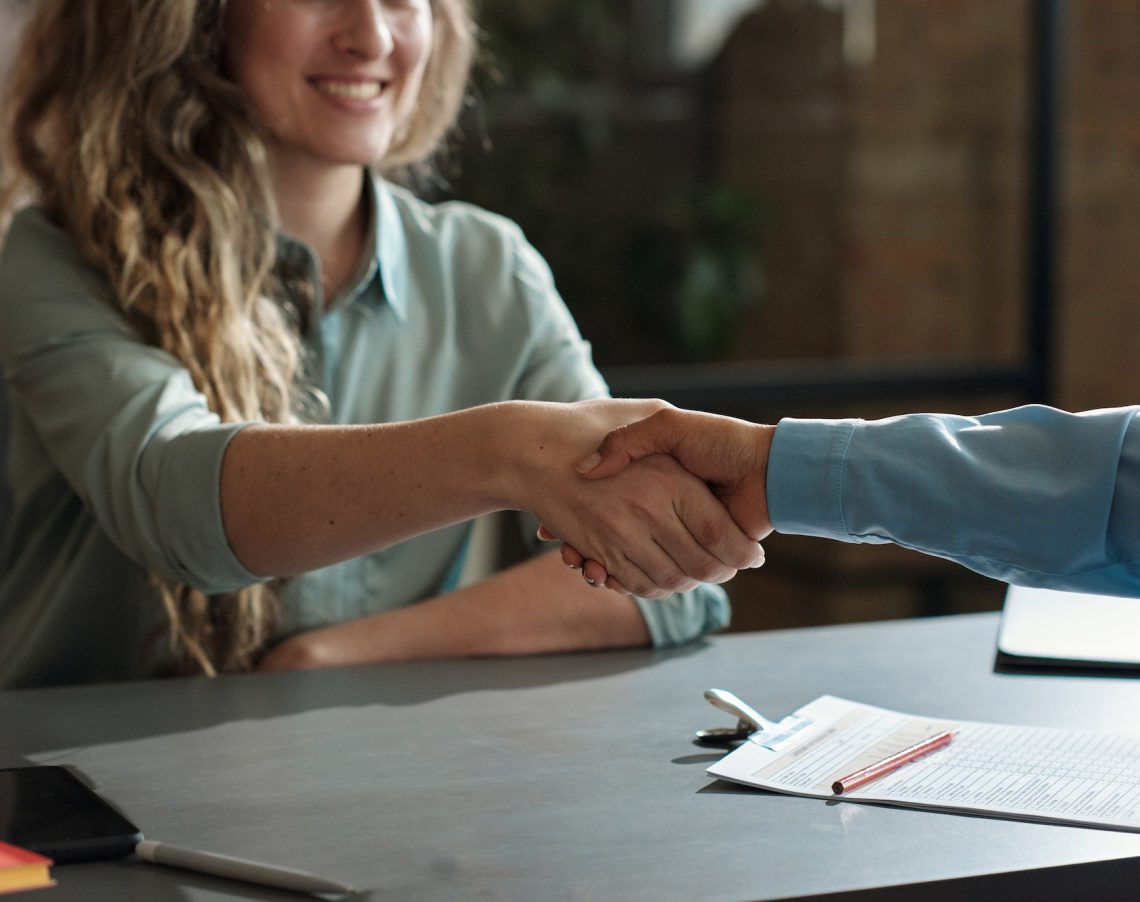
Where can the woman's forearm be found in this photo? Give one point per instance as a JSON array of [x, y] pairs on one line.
[[535, 607], [295, 498]]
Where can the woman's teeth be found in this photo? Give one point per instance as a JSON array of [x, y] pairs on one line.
[[354, 90]]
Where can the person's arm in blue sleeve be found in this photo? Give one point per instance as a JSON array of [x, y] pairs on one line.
[[1032, 495]]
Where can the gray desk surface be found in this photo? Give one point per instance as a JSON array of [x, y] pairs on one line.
[[563, 777]]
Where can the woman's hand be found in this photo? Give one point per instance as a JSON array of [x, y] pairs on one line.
[[730, 456], [654, 528], [304, 651]]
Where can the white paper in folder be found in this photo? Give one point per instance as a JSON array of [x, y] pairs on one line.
[[1027, 773]]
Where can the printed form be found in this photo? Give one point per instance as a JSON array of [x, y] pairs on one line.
[[1029, 773]]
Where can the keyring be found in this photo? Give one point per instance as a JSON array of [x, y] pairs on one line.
[[749, 721]]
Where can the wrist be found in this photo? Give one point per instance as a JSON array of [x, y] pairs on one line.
[[528, 443], [762, 445], [503, 436]]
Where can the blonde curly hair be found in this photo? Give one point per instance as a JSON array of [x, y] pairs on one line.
[[121, 122]]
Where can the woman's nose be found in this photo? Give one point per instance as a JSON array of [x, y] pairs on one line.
[[365, 31]]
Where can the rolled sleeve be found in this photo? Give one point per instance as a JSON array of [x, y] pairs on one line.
[[685, 616], [123, 424], [146, 460], [186, 489]]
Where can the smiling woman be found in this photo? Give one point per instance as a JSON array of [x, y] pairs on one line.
[[340, 85], [247, 372]]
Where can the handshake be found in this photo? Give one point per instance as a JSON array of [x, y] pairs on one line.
[[1032, 495], [701, 510]]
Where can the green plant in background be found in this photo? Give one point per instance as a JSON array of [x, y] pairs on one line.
[[695, 272]]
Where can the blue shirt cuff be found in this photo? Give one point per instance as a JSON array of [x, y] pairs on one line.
[[805, 477]]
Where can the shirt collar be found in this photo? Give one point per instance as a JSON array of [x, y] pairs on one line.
[[386, 259], [391, 248]]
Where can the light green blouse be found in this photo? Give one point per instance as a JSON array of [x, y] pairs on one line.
[[115, 458]]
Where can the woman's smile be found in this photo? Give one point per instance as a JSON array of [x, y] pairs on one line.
[[333, 83], [349, 89]]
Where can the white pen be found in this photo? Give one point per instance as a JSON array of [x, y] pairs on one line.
[[237, 868]]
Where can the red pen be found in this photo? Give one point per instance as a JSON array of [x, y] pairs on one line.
[[893, 763]]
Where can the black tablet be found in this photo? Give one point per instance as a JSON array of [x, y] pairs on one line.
[[52, 811]]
